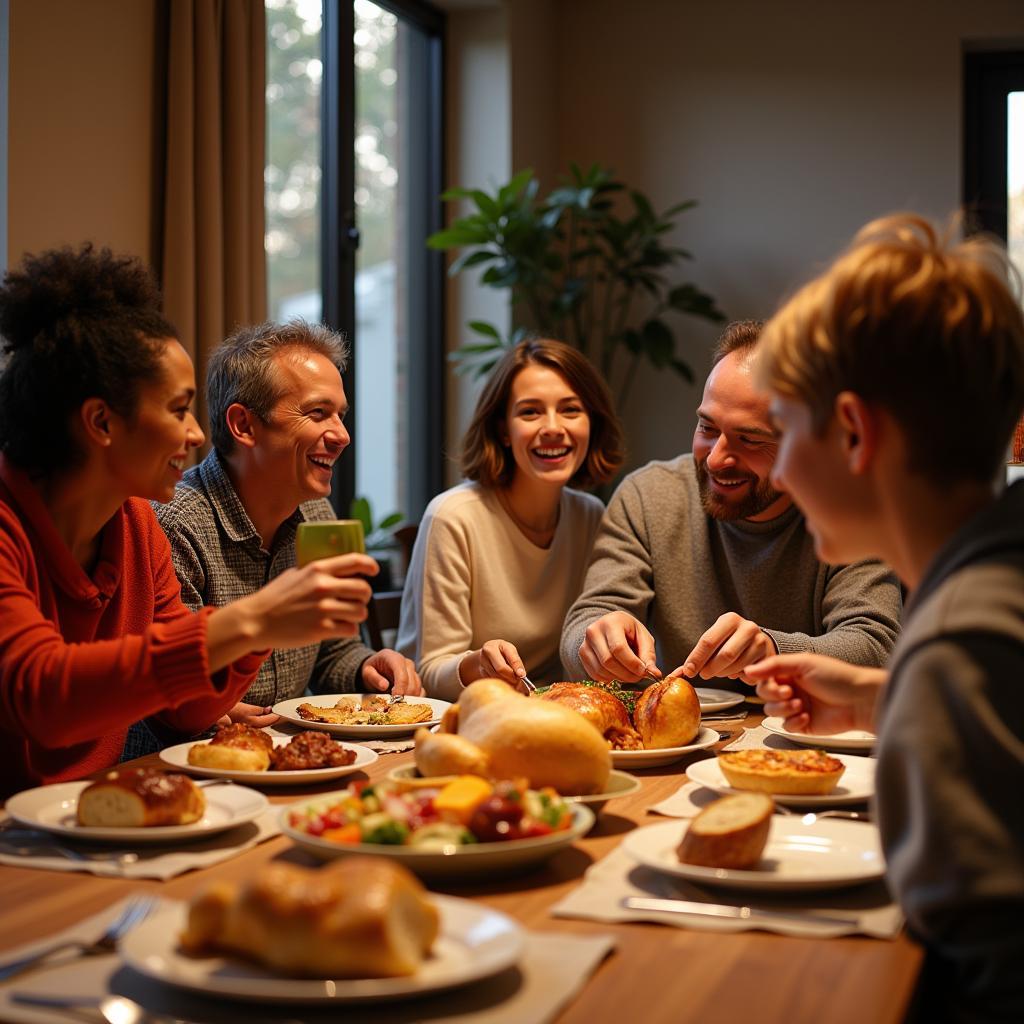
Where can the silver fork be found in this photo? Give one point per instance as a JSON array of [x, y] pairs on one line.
[[528, 683], [136, 910]]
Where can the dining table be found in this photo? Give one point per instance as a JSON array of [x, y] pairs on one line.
[[654, 974]]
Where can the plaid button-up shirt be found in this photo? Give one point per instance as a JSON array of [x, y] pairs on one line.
[[219, 558]]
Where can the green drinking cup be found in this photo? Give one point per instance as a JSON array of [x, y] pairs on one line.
[[326, 539]]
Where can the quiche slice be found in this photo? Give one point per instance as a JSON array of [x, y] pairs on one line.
[[792, 772]]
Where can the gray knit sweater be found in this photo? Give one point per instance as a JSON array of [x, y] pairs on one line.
[[951, 769], [662, 559]]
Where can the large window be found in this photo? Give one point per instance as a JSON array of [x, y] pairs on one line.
[[352, 183], [994, 146]]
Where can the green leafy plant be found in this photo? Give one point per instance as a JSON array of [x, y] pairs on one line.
[[588, 264], [378, 535]]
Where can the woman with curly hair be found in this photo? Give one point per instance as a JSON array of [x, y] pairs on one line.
[[499, 558], [95, 418]]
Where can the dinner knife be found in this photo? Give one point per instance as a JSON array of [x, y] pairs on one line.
[[674, 906]]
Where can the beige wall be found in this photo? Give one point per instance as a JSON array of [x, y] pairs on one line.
[[792, 122], [478, 153], [81, 123]]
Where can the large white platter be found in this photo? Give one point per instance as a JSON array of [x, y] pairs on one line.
[[619, 784], [856, 785], [663, 755], [852, 739], [717, 700], [827, 853], [178, 758], [475, 942], [456, 862], [288, 710], [53, 809]]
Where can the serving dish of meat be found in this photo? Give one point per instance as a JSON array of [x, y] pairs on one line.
[[644, 728], [245, 754]]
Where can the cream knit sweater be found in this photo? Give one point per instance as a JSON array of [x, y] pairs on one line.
[[474, 577]]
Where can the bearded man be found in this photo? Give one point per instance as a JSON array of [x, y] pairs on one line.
[[702, 565]]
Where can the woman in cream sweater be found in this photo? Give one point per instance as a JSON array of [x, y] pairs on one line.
[[499, 558]]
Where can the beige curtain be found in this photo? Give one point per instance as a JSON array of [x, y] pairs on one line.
[[213, 269]]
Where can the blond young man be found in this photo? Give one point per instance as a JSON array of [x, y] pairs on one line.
[[896, 379]]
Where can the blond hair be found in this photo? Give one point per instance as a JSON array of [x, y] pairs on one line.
[[926, 327]]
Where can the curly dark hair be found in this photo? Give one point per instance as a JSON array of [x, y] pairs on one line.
[[74, 324]]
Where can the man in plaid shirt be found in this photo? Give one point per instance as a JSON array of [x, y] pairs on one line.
[[277, 407]]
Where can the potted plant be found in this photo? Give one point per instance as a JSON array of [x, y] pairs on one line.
[[380, 541], [588, 264]]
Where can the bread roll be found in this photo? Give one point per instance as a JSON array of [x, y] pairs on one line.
[[729, 833], [140, 797], [667, 713], [443, 753], [791, 772], [228, 758], [357, 917], [545, 743]]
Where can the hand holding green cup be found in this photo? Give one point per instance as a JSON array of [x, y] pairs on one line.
[[327, 539]]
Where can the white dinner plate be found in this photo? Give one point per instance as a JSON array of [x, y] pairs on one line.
[[852, 739], [663, 755], [457, 861], [856, 785], [717, 700], [178, 757], [828, 853], [52, 809], [474, 942], [288, 710]]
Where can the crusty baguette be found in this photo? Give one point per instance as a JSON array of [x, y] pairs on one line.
[[140, 797], [444, 753], [667, 713], [729, 833], [358, 917], [545, 743], [786, 772]]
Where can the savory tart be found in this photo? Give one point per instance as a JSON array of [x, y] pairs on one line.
[[791, 772], [729, 833]]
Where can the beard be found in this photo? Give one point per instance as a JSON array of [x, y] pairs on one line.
[[759, 497]]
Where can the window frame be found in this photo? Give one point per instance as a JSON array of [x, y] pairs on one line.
[[340, 240], [989, 77]]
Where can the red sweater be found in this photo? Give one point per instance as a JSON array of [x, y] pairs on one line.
[[84, 655]]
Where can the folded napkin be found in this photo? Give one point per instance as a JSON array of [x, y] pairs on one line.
[[758, 738], [606, 884], [41, 850], [687, 801], [554, 969]]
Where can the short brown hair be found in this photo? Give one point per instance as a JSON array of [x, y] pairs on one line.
[[926, 327], [738, 336], [241, 369], [486, 459]]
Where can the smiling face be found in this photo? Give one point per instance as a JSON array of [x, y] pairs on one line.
[[296, 448], [734, 445], [546, 426], [150, 448], [814, 469]]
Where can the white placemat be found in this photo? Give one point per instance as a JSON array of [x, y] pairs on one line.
[[554, 969], [607, 883], [37, 850]]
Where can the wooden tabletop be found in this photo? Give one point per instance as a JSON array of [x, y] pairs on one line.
[[656, 973]]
